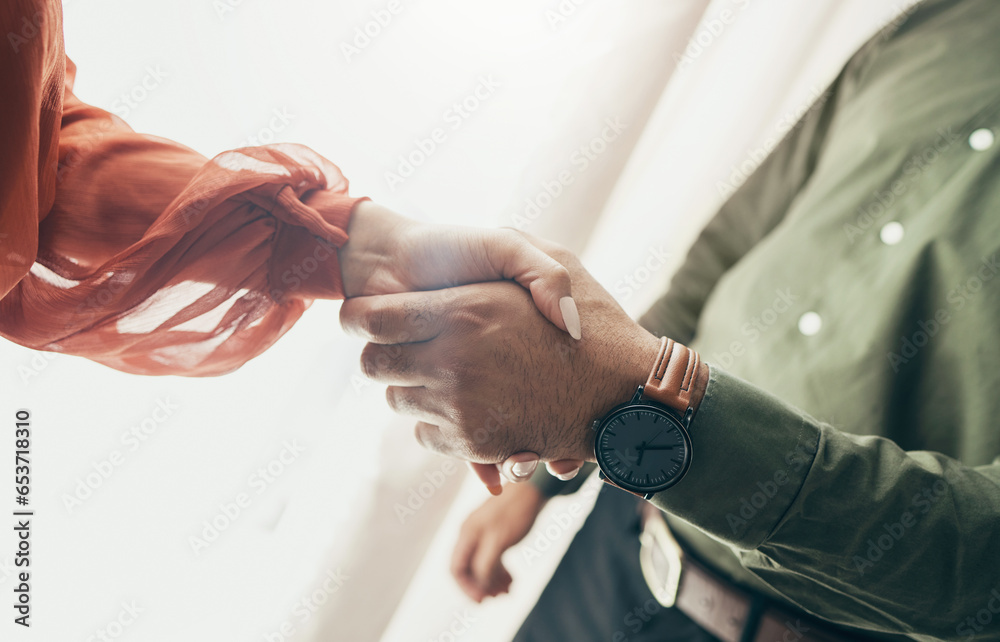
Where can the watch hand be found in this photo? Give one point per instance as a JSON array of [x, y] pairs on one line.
[[642, 450], [658, 448]]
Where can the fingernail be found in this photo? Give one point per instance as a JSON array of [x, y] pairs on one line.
[[571, 316], [495, 490], [568, 476], [524, 469]]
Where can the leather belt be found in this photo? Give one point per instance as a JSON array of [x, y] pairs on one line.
[[720, 607]]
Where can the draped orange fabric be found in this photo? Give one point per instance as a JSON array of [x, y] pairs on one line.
[[136, 251]]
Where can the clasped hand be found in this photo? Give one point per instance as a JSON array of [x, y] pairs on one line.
[[490, 379]]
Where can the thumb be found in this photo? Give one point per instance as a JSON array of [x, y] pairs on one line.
[[487, 566], [548, 280]]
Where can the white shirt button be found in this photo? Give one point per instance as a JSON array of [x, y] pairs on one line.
[[981, 140], [891, 233], [810, 323]]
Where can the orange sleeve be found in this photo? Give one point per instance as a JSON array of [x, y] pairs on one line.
[[31, 29], [154, 260]]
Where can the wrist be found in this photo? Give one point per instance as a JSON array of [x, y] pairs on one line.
[[367, 257], [631, 361], [638, 363], [645, 349]]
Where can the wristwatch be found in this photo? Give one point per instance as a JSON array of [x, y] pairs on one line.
[[642, 446]]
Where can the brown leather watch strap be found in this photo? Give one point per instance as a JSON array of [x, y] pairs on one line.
[[675, 377], [678, 380]]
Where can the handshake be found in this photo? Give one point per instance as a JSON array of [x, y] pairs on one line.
[[503, 348], [501, 345]]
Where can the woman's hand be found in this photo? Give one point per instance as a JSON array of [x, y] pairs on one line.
[[389, 254]]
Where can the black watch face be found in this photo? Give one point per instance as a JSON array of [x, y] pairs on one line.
[[643, 448]]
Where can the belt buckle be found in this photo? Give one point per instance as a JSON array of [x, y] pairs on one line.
[[659, 557]]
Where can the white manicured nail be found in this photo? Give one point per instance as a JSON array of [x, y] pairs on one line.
[[524, 469], [568, 476], [571, 316]]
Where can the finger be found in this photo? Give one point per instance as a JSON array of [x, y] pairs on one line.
[[393, 318], [487, 567], [499, 582], [552, 249], [461, 563], [548, 280], [504, 581], [430, 437], [396, 364], [520, 466], [564, 469], [413, 402], [489, 474]]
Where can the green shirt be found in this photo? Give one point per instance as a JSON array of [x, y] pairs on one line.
[[847, 451]]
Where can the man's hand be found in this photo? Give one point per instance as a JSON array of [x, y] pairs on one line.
[[487, 533], [486, 374], [389, 254]]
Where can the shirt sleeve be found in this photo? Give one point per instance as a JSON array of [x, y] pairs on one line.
[[851, 528], [156, 260]]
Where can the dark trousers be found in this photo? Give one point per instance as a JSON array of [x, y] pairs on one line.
[[598, 593]]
